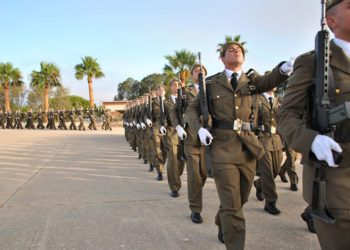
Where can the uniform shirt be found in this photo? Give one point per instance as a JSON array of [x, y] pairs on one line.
[[173, 97], [267, 96], [344, 45], [229, 73], [197, 87]]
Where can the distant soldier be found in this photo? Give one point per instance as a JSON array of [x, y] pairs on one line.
[[30, 124], [159, 131], [9, 121], [175, 164], [289, 167], [108, 120], [80, 114], [62, 119], [103, 119], [18, 120], [2, 118], [51, 120], [270, 163], [91, 114], [40, 119], [71, 118]]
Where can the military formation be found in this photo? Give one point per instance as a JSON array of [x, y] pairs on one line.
[[15, 120], [235, 128]]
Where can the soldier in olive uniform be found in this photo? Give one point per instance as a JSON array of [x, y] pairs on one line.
[[158, 132], [91, 114], [233, 96], [80, 114], [71, 118], [62, 119], [289, 167], [40, 119], [9, 123], [30, 116], [175, 165], [295, 130], [108, 120], [270, 163], [103, 119], [139, 132], [18, 120], [147, 116], [194, 151]]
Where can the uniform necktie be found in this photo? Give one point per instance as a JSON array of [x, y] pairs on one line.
[[234, 80], [270, 102]]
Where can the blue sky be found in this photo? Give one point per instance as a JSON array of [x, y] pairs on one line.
[[130, 38]]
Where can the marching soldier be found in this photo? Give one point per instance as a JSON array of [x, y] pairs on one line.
[[147, 116], [232, 102], [298, 133], [30, 124], [80, 114], [91, 114], [139, 132], [108, 120], [71, 118], [40, 119], [175, 165], [103, 119], [158, 132], [61, 118], [9, 120], [194, 151], [289, 167], [270, 163], [18, 120]]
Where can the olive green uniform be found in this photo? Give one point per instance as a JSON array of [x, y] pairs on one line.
[[233, 152]]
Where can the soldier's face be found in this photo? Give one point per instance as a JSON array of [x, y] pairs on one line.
[[161, 92], [233, 56], [195, 73], [338, 19], [174, 86]]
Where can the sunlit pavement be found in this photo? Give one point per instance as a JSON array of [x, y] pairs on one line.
[[87, 190]]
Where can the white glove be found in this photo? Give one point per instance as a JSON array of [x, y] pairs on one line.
[[205, 137], [149, 122], [162, 130], [126, 124], [131, 124], [287, 67], [181, 132], [322, 147], [134, 122], [138, 126], [143, 126]]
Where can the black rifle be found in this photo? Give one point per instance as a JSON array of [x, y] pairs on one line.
[[180, 113], [162, 112], [323, 116], [204, 112]]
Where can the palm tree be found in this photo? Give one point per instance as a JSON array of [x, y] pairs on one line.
[[91, 69], [9, 76], [228, 39], [180, 63], [49, 76]]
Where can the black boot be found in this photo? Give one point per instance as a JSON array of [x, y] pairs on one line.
[[160, 177], [293, 187], [271, 208], [220, 236], [151, 167], [309, 222], [283, 178], [140, 156], [145, 161]]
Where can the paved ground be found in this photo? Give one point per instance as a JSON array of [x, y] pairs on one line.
[[87, 190]]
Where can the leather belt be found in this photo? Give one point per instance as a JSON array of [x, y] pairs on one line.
[[237, 125]]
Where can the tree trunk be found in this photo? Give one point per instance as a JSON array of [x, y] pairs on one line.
[[184, 74], [7, 96], [46, 98], [91, 93]]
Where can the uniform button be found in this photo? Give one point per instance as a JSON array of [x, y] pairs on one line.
[[235, 95], [237, 107]]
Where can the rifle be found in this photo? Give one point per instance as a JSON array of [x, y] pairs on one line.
[[324, 116], [162, 113], [180, 113], [204, 112]]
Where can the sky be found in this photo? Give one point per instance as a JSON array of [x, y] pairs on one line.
[[130, 38]]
